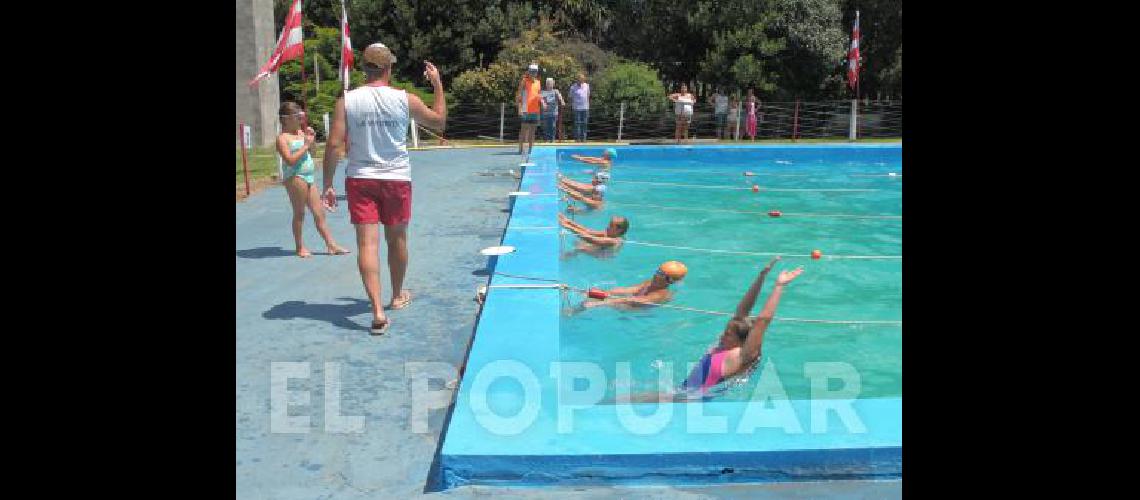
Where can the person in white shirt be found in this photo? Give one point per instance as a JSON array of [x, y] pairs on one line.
[[580, 101], [683, 106], [372, 122]]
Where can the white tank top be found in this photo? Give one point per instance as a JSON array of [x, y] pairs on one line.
[[377, 122], [683, 106]]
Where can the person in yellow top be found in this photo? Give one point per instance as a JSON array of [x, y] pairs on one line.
[[529, 101]]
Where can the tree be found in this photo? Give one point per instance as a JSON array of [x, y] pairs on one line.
[[634, 83]]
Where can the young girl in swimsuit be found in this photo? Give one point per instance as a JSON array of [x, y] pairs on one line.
[[655, 290], [738, 348], [294, 144]]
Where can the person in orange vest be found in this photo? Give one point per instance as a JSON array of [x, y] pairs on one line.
[[529, 101]]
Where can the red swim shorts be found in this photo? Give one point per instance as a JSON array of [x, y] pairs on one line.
[[372, 201]]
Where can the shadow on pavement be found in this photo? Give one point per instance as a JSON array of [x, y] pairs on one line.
[[265, 252], [336, 314]]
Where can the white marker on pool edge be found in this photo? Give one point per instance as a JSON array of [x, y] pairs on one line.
[[892, 174]]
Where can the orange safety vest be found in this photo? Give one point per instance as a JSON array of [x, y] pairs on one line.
[[531, 95]]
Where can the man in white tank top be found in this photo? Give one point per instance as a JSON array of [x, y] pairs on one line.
[[372, 121]]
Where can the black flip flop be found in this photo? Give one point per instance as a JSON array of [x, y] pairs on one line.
[[380, 327]]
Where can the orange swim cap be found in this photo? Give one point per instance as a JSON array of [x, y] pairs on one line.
[[674, 270]]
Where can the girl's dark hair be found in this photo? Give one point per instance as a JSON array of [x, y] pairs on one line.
[[742, 327], [622, 225], [289, 108]]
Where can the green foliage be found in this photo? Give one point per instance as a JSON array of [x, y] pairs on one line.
[[634, 83], [498, 82], [785, 49]]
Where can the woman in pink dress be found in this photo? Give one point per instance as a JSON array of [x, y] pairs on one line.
[[750, 125]]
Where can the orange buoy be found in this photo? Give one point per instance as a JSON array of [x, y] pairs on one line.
[[816, 254], [595, 293], [755, 188], [775, 213]]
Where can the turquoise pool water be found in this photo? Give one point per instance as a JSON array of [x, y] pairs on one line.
[[842, 201]]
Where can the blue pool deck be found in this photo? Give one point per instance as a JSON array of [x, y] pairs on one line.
[[519, 327], [314, 311]]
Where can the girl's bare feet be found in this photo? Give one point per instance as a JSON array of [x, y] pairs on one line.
[[303, 253], [335, 249]]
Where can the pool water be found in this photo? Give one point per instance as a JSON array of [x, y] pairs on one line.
[[842, 201]]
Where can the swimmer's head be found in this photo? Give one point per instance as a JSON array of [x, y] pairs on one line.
[[291, 115], [618, 226], [609, 154], [672, 272], [736, 331]]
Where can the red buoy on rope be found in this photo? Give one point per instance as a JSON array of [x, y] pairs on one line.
[[595, 293], [755, 188], [775, 213], [816, 254]]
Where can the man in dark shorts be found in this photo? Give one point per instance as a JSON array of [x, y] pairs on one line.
[[372, 120]]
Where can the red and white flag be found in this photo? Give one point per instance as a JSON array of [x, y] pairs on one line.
[[853, 56], [345, 47], [289, 44]]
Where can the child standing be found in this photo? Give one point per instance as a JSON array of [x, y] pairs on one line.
[[293, 144]]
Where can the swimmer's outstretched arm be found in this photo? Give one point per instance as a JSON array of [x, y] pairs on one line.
[[751, 349], [571, 225], [745, 307], [628, 290], [602, 241], [593, 160]]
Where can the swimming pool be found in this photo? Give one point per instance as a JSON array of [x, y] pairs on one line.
[[524, 411]]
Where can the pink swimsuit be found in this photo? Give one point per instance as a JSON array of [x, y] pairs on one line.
[[708, 372]]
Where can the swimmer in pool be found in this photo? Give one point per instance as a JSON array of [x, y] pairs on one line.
[[583, 187], [655, 290], [594, 242], [738, 349], [606, 160], [594, 200]]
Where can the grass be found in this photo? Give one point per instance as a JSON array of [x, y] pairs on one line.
[[263, 163]]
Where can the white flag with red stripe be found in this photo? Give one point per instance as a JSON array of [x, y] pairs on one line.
[[853, 56], [289, 44], [345, 47]]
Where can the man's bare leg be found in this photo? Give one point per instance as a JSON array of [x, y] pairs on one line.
[[368, 260], [397, 238]]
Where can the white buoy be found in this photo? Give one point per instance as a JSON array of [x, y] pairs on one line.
[[892, 174], [519, 193]]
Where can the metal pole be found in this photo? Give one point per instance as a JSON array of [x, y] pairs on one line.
[[280, 168], [317, 71], [621, 120], [854, 117], [244, 161], [796, 122], [502, 116], [738, 109], [415, 133]]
